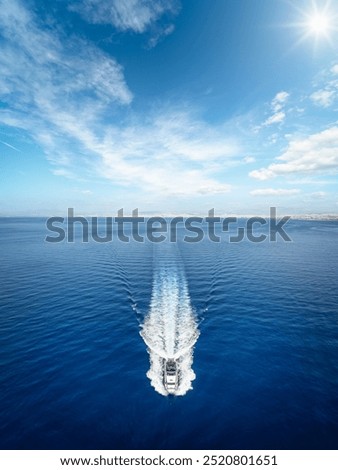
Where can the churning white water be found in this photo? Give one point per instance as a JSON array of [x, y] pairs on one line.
[[170, 328]]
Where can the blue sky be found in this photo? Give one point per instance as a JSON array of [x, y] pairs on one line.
[[169, 106]]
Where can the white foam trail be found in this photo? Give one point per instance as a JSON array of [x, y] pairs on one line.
[[170, 328]]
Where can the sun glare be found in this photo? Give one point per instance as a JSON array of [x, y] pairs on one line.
[[319, 24]]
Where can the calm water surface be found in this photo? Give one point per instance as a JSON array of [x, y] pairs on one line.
[[259, 324]]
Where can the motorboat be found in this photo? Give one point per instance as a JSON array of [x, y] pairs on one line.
[[170, 377]]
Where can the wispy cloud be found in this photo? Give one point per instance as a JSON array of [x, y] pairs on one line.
[[279, 101], [64, 92], [327, 91], [159, 35], [318, 195], [38, 65], [9, 145], [249, 159], [124, 15], [173, 153], [275, 118], [317, 153], [274, 192], [277, 108], [334, 69], [64, 172], [323, 98]]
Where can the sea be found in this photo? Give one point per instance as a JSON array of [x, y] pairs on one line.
[[87, 328]]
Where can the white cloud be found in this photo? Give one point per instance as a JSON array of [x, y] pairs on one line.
[[328, 91], [172, 154], [275, 119], [323, 98], [274, 192], [124, 15], [279, 101], [334, 69], [39, 66], [277, 107], [317, 153], [318, 195], [63, 172], [249, 159], [160, 35], [62, 90]]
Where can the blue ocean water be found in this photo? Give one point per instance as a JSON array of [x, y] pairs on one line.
[[82, 326]]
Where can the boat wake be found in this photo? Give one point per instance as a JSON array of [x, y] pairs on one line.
[[170, 328]]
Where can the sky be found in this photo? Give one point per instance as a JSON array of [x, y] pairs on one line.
[[168, 106]]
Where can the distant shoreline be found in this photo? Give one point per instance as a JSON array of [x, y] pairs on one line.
[[303, 217]]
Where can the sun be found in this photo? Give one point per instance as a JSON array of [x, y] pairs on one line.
[[319, 24]]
